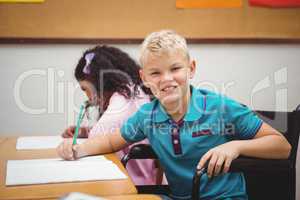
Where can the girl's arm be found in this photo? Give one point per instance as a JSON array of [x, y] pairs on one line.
[[117, 112], [105, 136], [100, 144], [70, 131], [267, 143]]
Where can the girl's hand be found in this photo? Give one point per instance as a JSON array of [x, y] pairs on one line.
[[218, 157], [69, 132], [68, 151]]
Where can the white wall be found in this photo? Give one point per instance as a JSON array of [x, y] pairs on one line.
[[39, 79], [42, 75]]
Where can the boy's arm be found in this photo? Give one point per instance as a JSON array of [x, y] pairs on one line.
[[100, 144], [267, 143]]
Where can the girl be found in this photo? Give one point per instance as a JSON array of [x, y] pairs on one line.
[[110, 79]]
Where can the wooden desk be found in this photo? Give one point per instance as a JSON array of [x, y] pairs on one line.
[[134, 197], [43, 191], [129, 197], [2, 139]]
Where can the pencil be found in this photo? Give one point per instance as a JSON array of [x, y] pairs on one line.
[[78, 124]]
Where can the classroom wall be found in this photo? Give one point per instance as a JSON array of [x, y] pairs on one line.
[[39, 95], [131, 19]]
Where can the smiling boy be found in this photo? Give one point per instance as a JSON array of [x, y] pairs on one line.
[[188, 127]]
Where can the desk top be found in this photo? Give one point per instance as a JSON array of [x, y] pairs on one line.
[[101, 188], [129, 197], [2, 139], [134, 197]]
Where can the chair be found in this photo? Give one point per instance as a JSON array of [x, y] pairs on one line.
[[265, 178], [145, 151]]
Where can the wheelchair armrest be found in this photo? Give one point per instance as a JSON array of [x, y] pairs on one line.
[[249, 165], [257, 165], [139, 151], [241, 164]]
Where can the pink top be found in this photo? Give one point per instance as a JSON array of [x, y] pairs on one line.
[[142, 172]]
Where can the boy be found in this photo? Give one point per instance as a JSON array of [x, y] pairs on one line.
[[188, 127]]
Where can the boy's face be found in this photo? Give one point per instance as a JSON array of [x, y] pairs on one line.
[[167, 76]]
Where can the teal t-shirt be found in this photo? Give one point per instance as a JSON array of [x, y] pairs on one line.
[[211, 120]]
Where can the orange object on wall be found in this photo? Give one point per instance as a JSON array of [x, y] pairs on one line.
[[275, 3], [21, 1], [208, 3]]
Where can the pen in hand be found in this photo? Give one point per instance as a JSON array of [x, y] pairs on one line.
[[79, 119]]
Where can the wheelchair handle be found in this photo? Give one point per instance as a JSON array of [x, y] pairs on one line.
[[242, 164]]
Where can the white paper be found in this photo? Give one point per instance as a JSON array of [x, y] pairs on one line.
[[80, 196], [41, 171], [41, 142]]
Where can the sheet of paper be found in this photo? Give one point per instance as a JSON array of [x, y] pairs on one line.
[[40, 142], [80, 196], [41, 171]]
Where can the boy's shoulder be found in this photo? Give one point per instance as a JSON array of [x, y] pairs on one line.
[[147, 108], [214, 99], [206, 92], [210, 96]]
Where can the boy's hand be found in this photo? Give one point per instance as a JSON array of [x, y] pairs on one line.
[[70, 131], [68, 151], [218, 157]]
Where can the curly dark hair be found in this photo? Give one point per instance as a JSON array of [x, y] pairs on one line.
[[117, 69]]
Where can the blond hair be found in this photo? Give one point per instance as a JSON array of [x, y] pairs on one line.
[[164, 41]]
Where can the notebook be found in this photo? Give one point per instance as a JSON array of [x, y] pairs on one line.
[[56, 170], [80, 196], [41, 142]]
